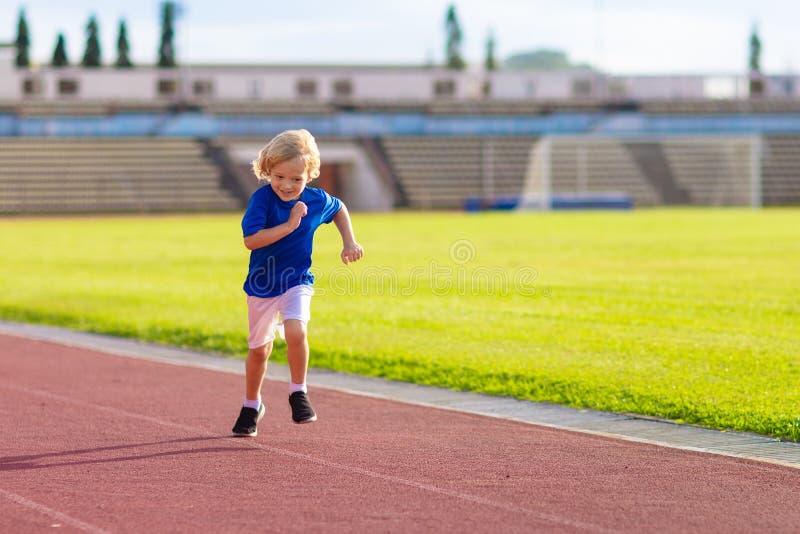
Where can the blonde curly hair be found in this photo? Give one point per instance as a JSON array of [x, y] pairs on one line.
[[285, 146]]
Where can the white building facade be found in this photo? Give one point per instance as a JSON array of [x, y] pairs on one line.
[[332, 83]]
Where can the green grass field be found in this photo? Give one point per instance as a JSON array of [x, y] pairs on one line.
[[692, 315]]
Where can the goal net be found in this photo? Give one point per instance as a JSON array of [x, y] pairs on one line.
[[593, 171]]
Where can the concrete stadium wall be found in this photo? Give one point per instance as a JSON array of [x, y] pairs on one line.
[[387, 83]]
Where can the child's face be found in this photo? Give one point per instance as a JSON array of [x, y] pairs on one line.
[[289, 178]]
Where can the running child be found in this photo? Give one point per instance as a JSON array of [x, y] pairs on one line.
[[278, 229]]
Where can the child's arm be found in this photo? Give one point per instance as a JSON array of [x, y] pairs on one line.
[[268, 236], [351, 251]]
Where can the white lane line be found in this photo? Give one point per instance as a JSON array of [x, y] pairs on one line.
[[319, 461], [55, 514]]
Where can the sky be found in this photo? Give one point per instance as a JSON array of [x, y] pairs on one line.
[[618, 36]]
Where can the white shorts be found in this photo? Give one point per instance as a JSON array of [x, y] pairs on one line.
[[262, 314]]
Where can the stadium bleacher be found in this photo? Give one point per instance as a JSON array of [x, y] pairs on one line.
[[442, 171], [781, 170], [73, 108], [714, 172], [114, 174], [267, 107], [720, 106], [524, 106], [432, 154]]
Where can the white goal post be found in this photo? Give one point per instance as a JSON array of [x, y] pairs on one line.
[[702, 169], [537, 187]]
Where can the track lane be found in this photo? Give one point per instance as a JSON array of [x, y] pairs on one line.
[[126, 445]]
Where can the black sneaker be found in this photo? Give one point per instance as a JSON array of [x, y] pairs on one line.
[[302, 412], [247, 423]]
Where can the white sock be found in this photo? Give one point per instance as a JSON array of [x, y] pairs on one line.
[[254, 404], [297, 387]]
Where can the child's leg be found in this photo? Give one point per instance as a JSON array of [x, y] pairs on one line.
[[262, 315], [296, 349], [255, 369], [297, 354], [296, 312]]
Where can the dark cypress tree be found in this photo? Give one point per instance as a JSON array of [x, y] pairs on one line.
[[123, 49], [60, 53], [91, 57], [490, 63], [453, 59], [756, 82], [166, 50], [23, 41], [755, 51]]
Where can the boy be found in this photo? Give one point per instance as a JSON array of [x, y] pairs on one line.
[[278, 229]]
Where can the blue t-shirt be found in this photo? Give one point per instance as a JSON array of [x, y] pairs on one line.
[[286, 262]]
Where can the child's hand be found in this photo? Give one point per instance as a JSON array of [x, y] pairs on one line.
[[352, 252], [299, 211]]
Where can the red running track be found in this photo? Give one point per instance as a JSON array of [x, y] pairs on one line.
[[99, 443]]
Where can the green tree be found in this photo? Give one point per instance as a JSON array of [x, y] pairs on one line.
[[123, 48], [166, 51], [91, 57], [453, 59], [490, 62], [23, 41], [755, 51], [60, 52]]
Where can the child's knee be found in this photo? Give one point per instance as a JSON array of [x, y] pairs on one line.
[[294, 331], [261, 353]]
